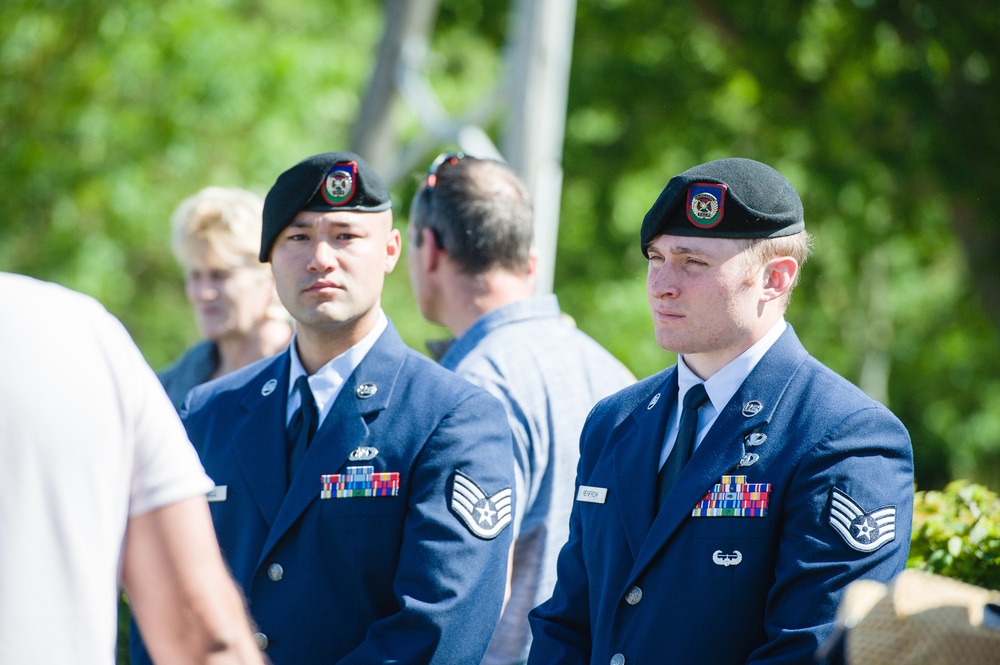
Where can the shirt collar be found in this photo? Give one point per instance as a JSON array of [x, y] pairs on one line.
[[535, 307], [329, 379]]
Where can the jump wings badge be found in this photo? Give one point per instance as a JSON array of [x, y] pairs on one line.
[[485, 516], [720, 559], [864, 531]]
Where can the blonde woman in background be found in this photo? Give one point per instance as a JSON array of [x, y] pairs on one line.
[[216, 238]]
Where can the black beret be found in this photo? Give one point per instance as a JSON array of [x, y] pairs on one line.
[[329, 181], [727, 198]]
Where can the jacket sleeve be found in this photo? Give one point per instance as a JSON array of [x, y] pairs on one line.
[[560, 627], [847, 516], [451, 577]]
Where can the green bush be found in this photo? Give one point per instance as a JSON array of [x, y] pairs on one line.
[[956, 533]]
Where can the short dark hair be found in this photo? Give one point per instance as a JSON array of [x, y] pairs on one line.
[[480, 213]]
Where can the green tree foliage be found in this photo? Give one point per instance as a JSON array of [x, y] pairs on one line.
[[956, 533], [112, 112], [881, 113]]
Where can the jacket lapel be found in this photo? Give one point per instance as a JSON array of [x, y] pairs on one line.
[[636, 459], [344, 429], [260, 450], [723, 448]]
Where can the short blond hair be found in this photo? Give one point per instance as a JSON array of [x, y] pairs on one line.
[[226, 220], [758, 251]]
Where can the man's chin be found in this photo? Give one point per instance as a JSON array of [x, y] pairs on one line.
[[672, 343]]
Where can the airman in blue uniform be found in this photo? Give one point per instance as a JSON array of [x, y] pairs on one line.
[[362, 493], [798, 483]]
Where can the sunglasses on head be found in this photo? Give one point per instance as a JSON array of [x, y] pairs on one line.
[[442, 160]]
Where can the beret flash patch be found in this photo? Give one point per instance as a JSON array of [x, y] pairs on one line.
[[338, 183], [862, 530], [706, 202], [485, 516]]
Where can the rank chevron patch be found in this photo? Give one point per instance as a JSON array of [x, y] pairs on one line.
[[864, 531], [485, 516]]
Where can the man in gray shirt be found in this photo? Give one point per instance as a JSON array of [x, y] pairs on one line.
[[472, 270]]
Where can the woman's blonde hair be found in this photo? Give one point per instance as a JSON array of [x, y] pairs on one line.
[[226, 220]]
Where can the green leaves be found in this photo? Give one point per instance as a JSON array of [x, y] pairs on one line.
[[956, 533]]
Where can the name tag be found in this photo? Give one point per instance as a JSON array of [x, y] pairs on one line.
[[592, 494], [218, 493]]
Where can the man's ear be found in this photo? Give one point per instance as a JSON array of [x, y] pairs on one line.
[[532, 274], [431, 254], [532, 263], [779, 276]]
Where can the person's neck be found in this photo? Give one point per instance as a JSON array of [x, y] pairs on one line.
[[318, 346], [706, 365], [262, 341], [473, 296]]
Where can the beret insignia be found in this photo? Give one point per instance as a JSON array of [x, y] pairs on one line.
[[705, 204], [338, 183]]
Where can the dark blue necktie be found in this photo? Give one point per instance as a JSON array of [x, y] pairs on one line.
[[687, 432], [301, 427]]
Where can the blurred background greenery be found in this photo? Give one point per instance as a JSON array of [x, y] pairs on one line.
[[883, 114], [956, 533]]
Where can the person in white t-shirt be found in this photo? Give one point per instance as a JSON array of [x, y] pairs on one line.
[[100, 486]]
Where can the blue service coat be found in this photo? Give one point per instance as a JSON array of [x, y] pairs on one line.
[[401, 579], [637, 587]]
